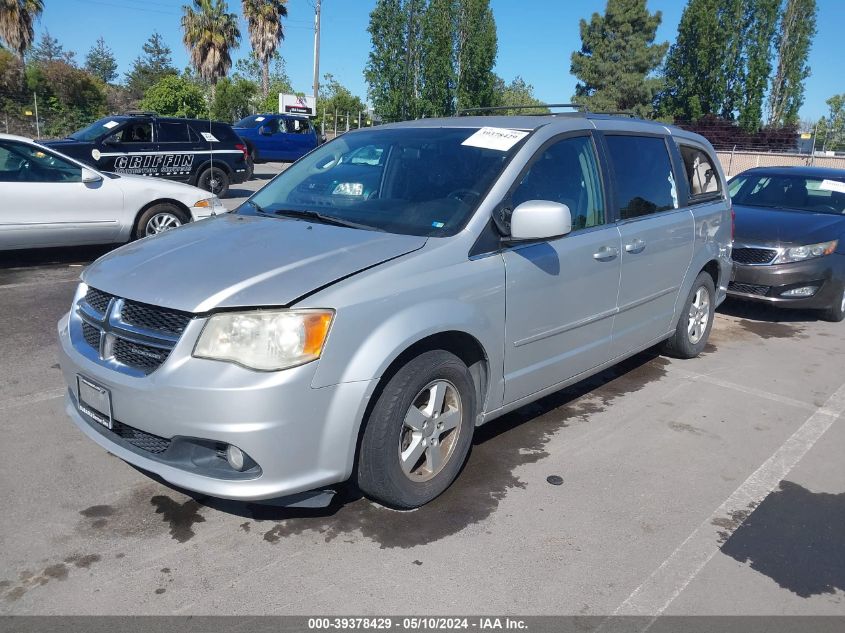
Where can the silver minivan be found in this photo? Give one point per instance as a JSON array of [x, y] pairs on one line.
[[359, 316]]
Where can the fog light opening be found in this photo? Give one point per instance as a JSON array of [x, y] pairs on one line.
[[803, 291], [235, 457]]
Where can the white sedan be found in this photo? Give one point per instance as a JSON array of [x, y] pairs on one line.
[[49, 199]]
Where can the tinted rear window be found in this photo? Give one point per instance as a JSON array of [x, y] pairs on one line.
[[643, 177], [174, 132]]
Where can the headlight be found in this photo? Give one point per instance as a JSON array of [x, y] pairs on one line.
[[214, 203], [349, 189], [800, 253], [267, 340]]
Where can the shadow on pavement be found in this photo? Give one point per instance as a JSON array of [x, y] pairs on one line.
[[765, 312], [53, 256]]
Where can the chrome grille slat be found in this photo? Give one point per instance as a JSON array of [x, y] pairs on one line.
[[135, 335]]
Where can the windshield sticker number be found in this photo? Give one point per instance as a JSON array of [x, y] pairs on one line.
[[208, 136], [832, 185], [110, 124], [497, 138]]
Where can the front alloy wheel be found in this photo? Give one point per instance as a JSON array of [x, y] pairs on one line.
[[160, 223], [431, 430]]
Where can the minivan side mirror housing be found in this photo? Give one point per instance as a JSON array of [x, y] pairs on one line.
[[89, 176], [540, 220]]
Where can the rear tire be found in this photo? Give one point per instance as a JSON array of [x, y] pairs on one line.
[[836, 312], [159, 218], [214, 180], [696, 320], [419, 432]]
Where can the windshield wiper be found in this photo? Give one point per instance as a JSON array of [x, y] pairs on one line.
[[319, 217]]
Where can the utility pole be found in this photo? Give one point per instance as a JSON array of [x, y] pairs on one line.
[[37, 124], [316, 48]]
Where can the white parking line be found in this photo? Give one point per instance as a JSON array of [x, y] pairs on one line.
[[32, 398], [668, 581]]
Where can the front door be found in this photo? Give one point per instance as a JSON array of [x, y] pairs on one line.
[[45, 202], [130, 149], [657, 239], [561, 294]]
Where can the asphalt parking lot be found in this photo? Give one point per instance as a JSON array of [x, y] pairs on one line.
[[710, 486]]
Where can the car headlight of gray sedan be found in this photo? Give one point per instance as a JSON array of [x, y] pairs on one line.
[[802, 253], [265, 340]]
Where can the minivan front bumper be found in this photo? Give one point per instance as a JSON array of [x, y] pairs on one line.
[[186, 411]]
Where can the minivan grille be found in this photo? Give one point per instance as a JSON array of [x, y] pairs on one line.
[[136, 335], [754, 255], [140, 439]]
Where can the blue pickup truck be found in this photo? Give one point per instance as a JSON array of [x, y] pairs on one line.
[[276, 137]]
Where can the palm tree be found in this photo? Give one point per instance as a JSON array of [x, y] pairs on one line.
[[16, 20], [210, 31], [265, 32]]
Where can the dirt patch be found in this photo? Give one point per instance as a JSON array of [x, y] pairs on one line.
[[767, 330], [56, 572]]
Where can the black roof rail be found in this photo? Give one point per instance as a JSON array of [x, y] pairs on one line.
[[139, 113], [575, 106], [627, 113]]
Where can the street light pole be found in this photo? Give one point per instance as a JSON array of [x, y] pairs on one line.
[[316, 48]]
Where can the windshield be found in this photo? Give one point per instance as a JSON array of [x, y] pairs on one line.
[[254, 120], [414, 181], [95, 130], [792, 193]]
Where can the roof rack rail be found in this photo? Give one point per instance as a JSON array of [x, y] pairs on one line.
[[628, 113], [139, 113], [575, 106]]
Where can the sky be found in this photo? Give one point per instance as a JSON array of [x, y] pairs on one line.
[[536, 39]]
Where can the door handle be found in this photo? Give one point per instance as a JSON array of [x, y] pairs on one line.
[[605, 253], [637, 246]]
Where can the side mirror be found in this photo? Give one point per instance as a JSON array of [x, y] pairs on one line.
[[89, 176], [540, 220], [265, 131]]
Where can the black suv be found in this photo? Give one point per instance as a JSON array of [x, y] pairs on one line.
[[206, 154]]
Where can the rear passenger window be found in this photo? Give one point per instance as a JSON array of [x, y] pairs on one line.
[[566, 172], [173, 132], [701, 176], [643, 177]]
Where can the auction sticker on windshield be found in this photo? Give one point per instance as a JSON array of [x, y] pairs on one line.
[[497, 138]]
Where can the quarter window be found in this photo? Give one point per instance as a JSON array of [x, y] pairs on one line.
[[566, 172], [702, 177], [173, 132], [643, 177]]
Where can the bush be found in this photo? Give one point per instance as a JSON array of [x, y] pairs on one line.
[[175, 96]]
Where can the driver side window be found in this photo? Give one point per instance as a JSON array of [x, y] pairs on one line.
[[566, 172], [133, 132], [25, 163]]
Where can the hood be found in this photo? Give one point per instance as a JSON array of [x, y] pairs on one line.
[[776, 227], [241, 261]]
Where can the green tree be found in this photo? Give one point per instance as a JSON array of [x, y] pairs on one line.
[[336, 98], [618, 57], [152, 66], [385, 70], [437, 59], [210, 32], [233, 99], [759, 26], [173, 95], [279, 82], [68, 97], [101, 63], [49, 49], [830, 131], [517, 93], [264, 19], [794, 38], [17, 18], [476, 48]]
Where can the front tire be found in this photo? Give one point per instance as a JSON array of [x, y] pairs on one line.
[[696, 320], [214, 180], [419, 432], [159, 218], [836, 312]]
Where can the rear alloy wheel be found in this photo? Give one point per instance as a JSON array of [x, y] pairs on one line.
[[214, 180], [696, 320], [836, 312], [419, 432], [160, 218]]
